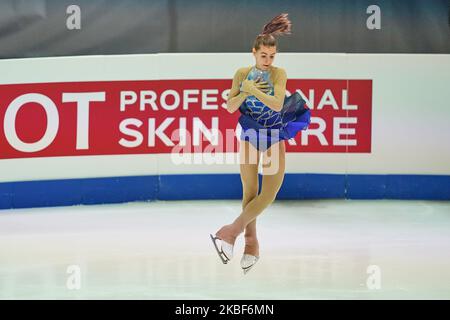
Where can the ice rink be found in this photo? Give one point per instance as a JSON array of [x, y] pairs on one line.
[[316, 249]]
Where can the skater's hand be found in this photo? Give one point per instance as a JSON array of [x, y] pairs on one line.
[[249, 86], [262, 86]]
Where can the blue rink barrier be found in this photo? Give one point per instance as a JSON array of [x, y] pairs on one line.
[[44, 193]]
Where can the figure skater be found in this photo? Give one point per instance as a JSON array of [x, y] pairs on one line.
[[268, 118]]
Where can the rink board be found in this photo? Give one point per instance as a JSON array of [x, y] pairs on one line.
[[401, 137]]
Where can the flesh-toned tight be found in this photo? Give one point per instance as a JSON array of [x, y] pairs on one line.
[[253, 203]]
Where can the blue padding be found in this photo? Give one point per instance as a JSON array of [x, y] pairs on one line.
[[425, 187], [200, 186], [45, 193], [119, 189], [366, 186], [218, 186], [312, 186], [6, 195]]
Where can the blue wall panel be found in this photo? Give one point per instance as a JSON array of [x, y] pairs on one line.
[[27, 194]]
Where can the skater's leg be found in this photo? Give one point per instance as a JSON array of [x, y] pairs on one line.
[[249, 161], [250, 185], [273, 175]]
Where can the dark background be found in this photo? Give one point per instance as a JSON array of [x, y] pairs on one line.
[[34, 28]]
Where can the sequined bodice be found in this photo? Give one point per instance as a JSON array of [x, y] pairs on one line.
[[258, 110]]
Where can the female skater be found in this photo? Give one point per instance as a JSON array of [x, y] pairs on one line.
[[268, 119]]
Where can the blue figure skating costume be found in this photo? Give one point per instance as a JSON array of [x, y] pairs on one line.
[[262, 126]]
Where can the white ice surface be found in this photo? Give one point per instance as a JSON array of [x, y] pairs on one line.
[[161, 250]]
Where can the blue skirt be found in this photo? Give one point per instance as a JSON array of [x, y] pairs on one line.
[[295, 115]]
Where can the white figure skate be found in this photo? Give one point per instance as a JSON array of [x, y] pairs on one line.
[[225, 251], [248, 261]]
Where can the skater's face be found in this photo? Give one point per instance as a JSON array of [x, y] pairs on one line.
[[264, 57]]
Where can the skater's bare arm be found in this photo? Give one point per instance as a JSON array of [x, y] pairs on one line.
[[276, 101], [235, 97]]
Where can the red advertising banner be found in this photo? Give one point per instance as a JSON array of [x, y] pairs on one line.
[[146, 117]]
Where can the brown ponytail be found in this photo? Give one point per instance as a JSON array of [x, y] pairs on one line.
[[280, 25]]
